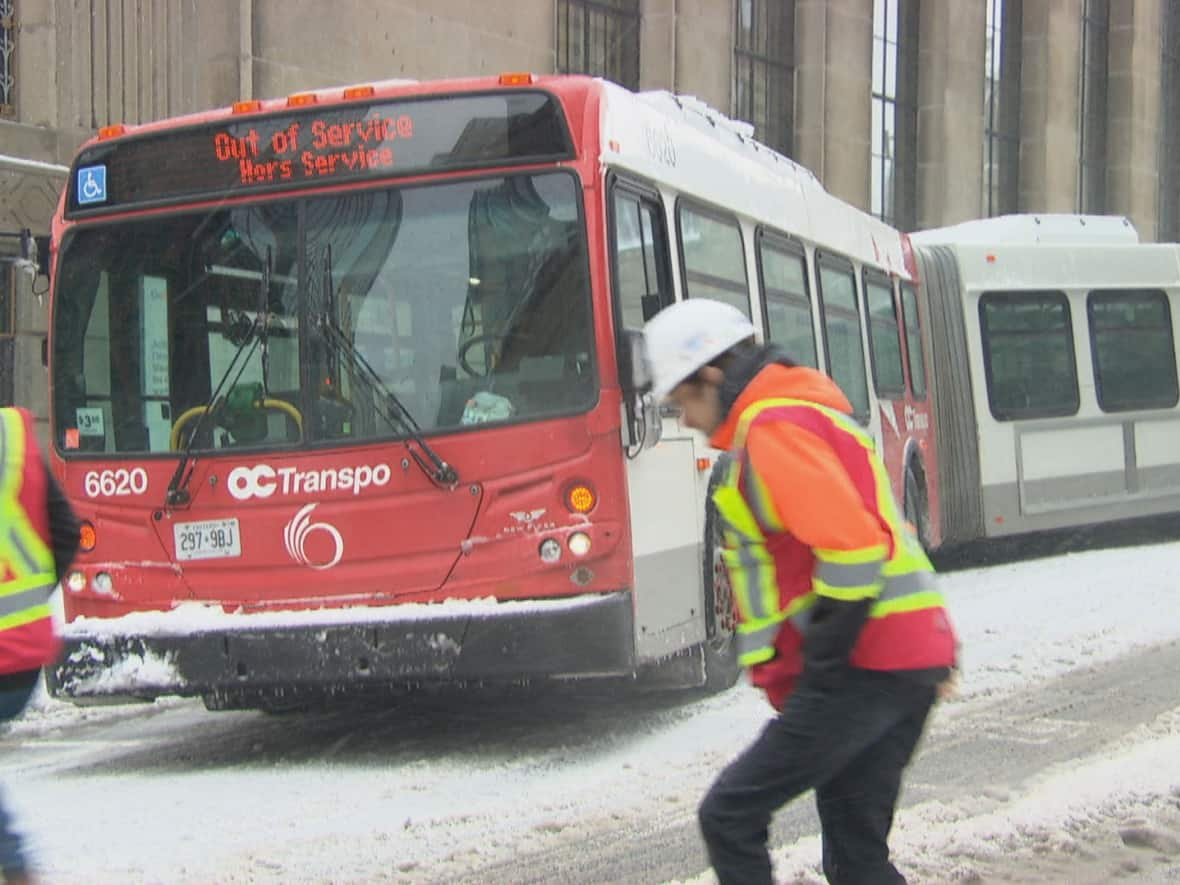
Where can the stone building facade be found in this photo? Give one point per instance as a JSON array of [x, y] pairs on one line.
[[926, 112]]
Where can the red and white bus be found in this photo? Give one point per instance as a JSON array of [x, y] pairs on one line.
[[342, 384]]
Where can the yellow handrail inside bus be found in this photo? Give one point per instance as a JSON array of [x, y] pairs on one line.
[[268, 403]]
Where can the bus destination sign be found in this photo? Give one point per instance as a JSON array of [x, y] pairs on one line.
[[325, 150], [328, 145]]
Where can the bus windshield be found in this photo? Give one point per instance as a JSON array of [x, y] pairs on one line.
[[285, 323]]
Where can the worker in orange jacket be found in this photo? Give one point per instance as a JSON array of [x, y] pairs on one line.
[[38, 541], [839, 618]]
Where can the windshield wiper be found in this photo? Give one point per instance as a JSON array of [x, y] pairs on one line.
[[178, 487], [388, 406]]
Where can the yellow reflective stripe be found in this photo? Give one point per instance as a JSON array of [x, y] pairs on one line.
[[911, 603], [897, 586], [836, 574], [20, 585], [875, 553], [12, 453], [761, 502], [19, 602], [846, 594], [25, 552], [28, 616], [759, 655], [735, 512], [751, 573]]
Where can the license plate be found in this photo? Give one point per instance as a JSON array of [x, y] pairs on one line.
[[211, 539]]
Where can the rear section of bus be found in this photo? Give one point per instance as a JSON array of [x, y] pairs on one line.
[[1056, 373], [333, 389]]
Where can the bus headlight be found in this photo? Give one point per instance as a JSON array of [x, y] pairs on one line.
[[579, 543], [550, 551], [76, 582], [103, 583]]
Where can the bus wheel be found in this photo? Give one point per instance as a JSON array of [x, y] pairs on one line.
[[916, 513], [720, 647]]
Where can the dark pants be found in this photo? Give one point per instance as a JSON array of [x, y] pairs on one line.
[[15, 691], [850, 742]]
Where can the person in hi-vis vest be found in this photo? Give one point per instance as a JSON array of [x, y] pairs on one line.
[[38, 542], [840, 620]]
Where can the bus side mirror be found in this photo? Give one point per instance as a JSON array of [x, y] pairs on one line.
[[643, 423], [42, 255], [634, 371]]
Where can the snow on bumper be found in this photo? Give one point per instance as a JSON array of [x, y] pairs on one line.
[[195, 650]]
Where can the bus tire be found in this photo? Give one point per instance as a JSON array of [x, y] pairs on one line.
[[916, 512], [720, 647]]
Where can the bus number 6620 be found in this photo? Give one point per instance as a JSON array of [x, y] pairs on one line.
[[109, 483]]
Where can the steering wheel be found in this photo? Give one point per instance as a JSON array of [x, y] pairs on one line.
[[485, 339], [277, 405]]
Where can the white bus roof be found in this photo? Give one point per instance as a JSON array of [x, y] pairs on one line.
[[1032, 229], [696, 150]]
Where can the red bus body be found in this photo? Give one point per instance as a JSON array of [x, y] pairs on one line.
[[352, 565]]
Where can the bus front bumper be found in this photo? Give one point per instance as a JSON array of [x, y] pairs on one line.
[[328, 650]]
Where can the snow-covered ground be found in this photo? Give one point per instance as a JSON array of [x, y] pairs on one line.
[[170, 793]]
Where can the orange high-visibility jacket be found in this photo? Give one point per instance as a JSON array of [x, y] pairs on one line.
[[810, 525], [27, 575]]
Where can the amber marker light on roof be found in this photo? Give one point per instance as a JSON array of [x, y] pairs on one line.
[[360, 92], [111, 131], [301, 100], [516, 79], [247, 107]]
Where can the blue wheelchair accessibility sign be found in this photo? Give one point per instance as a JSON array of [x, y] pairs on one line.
[[92, 185]]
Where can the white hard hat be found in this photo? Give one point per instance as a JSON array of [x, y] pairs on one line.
[[684, 337]]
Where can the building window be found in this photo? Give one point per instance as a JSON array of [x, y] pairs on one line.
[[7, 58], [599, 37], [1092, 145], [1001, 108], [895, 112], [1169, 195], [764, 70], [7, 299]]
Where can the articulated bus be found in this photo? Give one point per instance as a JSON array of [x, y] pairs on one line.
[[1054, 373], [345, 385]]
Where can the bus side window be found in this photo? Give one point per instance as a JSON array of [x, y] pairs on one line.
[[884, 337], [846, 356], [1028, 354], [783, 270], [913, 341], [1133, 350], [714, 262], [641, 258]]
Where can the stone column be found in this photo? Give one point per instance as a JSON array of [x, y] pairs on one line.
[[657, 45], [1133, 114], [704, 52], [951, 46], [1049, 112], [833, 110]]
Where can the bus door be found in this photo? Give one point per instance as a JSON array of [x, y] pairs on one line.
[[666, 519]]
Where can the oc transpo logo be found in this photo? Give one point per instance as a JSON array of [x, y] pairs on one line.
[[300, 529], [262, 480]]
